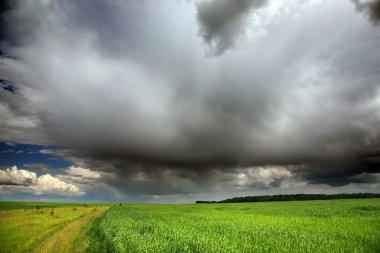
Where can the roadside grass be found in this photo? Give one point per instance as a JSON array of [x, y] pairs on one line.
[[72, 238], [10, 205], [26, 230]]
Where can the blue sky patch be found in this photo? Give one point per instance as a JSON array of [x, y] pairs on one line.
[[23, 154], [8, 86]]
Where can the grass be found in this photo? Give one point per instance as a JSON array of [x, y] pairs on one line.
[[295, 226], [10, 205], [32, 230], [299, 226]]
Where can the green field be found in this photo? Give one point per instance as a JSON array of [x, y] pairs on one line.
[[296, 226], [299, 226]]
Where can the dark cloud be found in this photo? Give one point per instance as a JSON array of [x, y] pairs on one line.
[[6, 85], [370, 7], [164, 119], [5, 6], [115, 24], [222, 21]]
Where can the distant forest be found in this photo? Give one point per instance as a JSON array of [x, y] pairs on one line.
[[291, 197]]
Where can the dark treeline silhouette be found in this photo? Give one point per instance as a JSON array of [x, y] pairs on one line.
[[291, 197]]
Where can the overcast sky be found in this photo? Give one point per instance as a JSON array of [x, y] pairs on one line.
[[177, 101]]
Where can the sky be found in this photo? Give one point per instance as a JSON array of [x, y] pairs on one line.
[[175, 101]]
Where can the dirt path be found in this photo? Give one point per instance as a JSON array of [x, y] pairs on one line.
[[71, 238]]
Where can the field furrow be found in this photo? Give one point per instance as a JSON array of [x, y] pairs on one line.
[[72, 238], [33, 230]]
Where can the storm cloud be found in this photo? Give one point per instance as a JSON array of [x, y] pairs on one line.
[[136, 96], [221, 22], [370, 8]]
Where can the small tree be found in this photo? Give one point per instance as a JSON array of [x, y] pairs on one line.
[[52, 211]]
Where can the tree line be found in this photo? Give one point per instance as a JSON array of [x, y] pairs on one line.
[[290, 197]]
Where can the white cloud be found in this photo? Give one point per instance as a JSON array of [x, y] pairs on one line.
[[15, 180], [81, 176], [266, 177], [83, 172], [14, 176], [47, 184], [46, 151]]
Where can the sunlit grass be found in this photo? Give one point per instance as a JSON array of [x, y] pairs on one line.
[[25, 230], [13, 205]]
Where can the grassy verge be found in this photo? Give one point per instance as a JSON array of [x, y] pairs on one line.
[[72, 238], [10, 205], [96, 239], [26, 230]]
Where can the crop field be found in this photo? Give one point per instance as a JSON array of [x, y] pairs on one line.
[[296, 226], [299, 226]]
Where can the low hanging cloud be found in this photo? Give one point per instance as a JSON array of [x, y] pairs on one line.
[[15, 180], [162, 118]]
